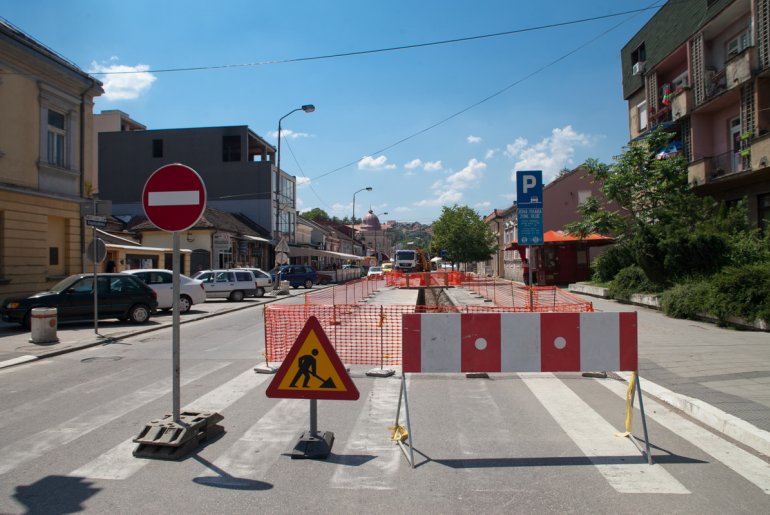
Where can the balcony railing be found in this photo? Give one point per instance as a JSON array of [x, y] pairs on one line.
[[738, 68], [707, 169]]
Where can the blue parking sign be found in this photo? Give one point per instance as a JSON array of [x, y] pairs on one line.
[[529, 211]]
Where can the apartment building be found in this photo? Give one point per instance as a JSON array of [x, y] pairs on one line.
[[701, 69], [236, 165], [46, 158]]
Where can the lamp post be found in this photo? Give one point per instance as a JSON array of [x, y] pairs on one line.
[[309, 108], [353, 222]]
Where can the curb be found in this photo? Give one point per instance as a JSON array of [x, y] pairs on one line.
[[110, 339], [713, 417]]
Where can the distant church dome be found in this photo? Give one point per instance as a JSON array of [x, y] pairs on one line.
[[370, 222]]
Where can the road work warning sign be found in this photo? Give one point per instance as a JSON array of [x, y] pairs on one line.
[[312, 369]]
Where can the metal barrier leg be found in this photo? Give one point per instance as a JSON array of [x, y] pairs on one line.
[[644, 420], [402, 394]]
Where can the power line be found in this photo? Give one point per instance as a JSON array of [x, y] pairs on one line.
[[493, 95], [380, 50]]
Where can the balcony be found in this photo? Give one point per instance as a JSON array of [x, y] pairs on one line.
[[681, 103], [706, 170], [739, 67], [760, 152]]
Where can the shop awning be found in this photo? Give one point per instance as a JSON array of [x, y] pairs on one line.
[[255, 238], [310, 251], [559, 237]]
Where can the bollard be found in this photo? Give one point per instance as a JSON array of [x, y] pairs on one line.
[[43, 325]]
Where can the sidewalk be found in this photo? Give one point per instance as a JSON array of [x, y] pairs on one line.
[[16, 347]]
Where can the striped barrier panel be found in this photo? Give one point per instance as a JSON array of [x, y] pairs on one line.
[[518, 342]]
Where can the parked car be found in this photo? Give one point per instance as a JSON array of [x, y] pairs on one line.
[[228, 284], [119, 295], [297, 275], [262, 280], [374, 272], [387, 266], [191, 291]]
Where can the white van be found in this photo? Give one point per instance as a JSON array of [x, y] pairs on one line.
[[228, 284]]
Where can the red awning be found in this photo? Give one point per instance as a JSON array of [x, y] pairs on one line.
[[557, 237]]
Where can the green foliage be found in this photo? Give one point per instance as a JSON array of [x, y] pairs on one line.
[[687, 300], [749, 247], [610, 262], [462, 233], [742, 291], [631, 280], [316, 214], [693, 254]]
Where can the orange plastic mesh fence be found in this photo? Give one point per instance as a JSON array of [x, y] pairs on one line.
[[361, 334], [417, 279], [541, 298], [347, 293]]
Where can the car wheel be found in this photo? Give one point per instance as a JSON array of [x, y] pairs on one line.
[[185, 303], [139, 314], [26, 323], [236, 296], [308, 284], [260, 291], [295, 286]]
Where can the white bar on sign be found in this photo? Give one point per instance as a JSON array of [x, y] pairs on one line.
[[173, 198], [440, 342], [599, 342], [520, 345]]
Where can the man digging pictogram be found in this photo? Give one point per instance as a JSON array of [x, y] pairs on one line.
[[307, 368]]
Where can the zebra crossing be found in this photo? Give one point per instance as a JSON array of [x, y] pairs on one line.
[[458, 423]]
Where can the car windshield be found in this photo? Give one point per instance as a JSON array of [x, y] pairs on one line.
[[375, 269], [65, 283]]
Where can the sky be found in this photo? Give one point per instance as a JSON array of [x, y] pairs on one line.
[[433, 125]]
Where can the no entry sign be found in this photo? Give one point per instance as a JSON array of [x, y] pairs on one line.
[[174, 197]]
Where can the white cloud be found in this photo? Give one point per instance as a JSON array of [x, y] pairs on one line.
[[492, 152], [486, 203], [550, 155], [403, 209], [290, 134], [302, 181], [450, 190], [375, 164], [127, 83], [428, 166], [473, 139], [414, 163]]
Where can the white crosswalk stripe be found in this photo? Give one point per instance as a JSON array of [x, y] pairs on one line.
[[746, 464], [594, 436], [119, 462], [36, 445], [369, 438]]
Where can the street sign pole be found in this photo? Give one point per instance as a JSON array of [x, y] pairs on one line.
[[175, 329]]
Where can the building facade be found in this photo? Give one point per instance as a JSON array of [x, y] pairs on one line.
[[46, 157], [236, 165], [702, 71]]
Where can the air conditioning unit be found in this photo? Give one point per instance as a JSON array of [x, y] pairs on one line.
[[638, 68]]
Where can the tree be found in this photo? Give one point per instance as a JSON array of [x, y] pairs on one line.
[[660, 220], [316, 214], [463, 235]]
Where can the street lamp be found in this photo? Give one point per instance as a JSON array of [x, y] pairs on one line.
[[353, 222], [309, 108]]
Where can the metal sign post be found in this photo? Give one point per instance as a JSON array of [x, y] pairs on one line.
[[175, 329], [529, 215]]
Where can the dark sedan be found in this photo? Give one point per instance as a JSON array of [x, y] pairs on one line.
[[120, 296]]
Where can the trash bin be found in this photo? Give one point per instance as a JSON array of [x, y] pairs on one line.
[[44, 322], [285, 285]]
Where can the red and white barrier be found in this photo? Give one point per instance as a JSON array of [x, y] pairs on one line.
[[519, 342]]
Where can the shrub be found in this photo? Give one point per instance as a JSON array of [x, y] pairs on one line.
[[746, 248], [742, 291], [693, 255], [610, 262], [631, 280], [686, 300]]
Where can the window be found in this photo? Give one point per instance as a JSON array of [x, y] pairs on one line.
[[583, 195], [157, 148], [641, 113], [57, 136], [231, 148], [53, 256], [639, 55], [738, 44]]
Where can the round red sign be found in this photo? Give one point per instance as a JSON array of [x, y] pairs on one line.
[[174, 197]]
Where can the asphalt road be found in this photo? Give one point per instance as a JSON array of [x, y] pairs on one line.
[[512, 443]]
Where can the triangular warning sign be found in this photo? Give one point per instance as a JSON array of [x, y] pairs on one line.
[[312, 369]]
